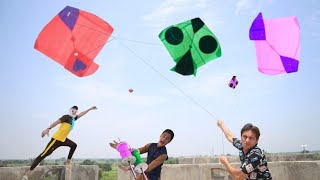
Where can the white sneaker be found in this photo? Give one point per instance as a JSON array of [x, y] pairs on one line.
[[25, 177]]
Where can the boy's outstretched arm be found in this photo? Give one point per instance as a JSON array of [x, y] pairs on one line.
[[46, 131], [160, 160], [144, 149], [86, 111], [153, 164], [226, 132]]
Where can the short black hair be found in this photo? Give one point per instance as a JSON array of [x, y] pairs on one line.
[[170, 132], [75, 107]]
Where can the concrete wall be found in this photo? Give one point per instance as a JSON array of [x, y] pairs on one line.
[[295, 170], [293, 157], [74, 172], [205, 160], [235, 159], [125, 175]]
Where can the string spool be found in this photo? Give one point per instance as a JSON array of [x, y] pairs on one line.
[[125, 153], [140, 165]]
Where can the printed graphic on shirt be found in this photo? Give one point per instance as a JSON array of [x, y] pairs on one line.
[[262, 168], [253, 175], [249, 168], [237, 143]]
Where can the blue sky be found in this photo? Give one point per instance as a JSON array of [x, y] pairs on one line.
[[36, 91]]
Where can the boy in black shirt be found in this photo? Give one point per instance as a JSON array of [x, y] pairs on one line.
[[157, 154]]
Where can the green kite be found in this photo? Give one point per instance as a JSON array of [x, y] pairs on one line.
[[191, 44]]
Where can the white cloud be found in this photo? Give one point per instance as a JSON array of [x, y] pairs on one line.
[[163, 11], [313, 20], [158, 17], [216, 21], [252, 5], [243, 5]]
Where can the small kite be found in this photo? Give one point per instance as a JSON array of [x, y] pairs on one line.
[[191, 44], [233, 82], [277, 43], [73, 38], [130, 90]]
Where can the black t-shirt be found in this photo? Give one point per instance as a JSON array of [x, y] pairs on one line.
[[153, 153]]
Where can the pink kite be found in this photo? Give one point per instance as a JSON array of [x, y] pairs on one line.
[[233, 82], [73, 38], [277, 43]]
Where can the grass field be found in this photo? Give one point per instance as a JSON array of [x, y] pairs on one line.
[[110, 175]]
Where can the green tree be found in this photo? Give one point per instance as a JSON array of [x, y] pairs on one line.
[[100, 174], [106, 167], [88, 162], [172, 161]]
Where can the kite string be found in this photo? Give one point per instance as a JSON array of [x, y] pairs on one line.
[[136, 41], [193, 100], [109, 34], [222, 142], [167, 80], [146, 64], [94, 48], [273, 48]]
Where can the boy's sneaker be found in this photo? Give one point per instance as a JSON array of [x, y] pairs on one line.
[[25, 177]]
